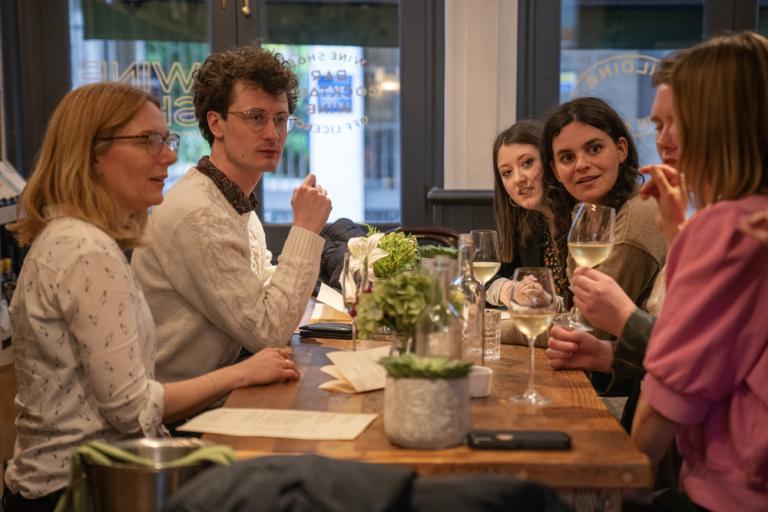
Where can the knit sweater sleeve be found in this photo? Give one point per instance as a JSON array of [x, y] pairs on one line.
[[215, 275]]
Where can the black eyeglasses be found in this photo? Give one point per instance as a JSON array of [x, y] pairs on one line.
[[153, 142], [257, 119]]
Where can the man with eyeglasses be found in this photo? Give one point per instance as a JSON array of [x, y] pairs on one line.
[[205, 268]]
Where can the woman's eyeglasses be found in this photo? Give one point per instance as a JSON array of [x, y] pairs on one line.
[[153, 142], [257, 119]]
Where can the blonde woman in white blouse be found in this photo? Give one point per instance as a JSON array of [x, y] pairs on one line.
[[83, 336]]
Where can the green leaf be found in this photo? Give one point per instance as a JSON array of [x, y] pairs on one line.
[[402, 254], [430, 251], [411, 366]]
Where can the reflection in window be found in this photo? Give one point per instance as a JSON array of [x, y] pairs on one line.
[[348, 133], [154, 45], [610, 48], [346, 56]]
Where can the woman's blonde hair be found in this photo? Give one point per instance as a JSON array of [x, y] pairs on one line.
[[65, 177], [721, 106]]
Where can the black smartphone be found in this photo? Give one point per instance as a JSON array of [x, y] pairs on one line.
[[518, 440], [326, 330]]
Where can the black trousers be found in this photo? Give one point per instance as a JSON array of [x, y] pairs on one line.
[[18, 503]]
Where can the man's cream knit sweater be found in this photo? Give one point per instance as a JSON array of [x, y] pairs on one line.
[[207, 276]]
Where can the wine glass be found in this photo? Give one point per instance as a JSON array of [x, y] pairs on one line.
[[486, 261], [532, 308], [590, 241], [354, 281]]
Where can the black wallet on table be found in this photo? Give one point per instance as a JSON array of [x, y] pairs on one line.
[[326, 330]]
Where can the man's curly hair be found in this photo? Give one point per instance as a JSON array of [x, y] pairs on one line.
[[216, 78]]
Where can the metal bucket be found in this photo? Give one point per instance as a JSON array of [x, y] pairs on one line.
[[126, 487]]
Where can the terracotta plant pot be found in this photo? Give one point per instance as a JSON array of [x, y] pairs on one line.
[[426, 414]]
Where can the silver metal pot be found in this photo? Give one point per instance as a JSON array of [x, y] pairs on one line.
[[125, 487]]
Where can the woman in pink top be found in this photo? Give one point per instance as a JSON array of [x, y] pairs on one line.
[[707, 360]]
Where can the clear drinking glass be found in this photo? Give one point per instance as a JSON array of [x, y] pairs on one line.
[[354, 281], [590, 241], [486, 261], [532, 309]]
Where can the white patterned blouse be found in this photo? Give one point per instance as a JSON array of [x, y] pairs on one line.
[[84, 343]]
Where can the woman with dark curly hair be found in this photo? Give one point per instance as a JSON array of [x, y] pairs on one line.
[[589, 156]]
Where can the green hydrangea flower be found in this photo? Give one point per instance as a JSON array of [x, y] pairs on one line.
[[396, 302]]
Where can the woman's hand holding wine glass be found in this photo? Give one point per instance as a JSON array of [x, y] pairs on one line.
[[590, 241]]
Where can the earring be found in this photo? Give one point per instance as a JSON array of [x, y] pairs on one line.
[[512, 203]]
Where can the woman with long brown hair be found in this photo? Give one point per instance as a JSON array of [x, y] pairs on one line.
[[707, 360], [530, 234]]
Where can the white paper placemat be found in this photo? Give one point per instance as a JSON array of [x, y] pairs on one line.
[[288, 424]]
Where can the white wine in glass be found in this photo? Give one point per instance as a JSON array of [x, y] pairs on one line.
[[486, 261], [532, 324], [590, 238], [589, 254], [485, 270], [590, 241], [532, 313]]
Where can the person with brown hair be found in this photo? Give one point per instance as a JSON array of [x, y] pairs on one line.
[[602, 301], [83, 336], [529, 233], [205, 268], [588, 155], [707, 360]]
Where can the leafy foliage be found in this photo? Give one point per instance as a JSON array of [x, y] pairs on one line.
[[430, 251], [396, 302], [402, 254], [411, 366]]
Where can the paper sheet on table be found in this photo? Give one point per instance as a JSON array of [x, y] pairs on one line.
[[356, 372], [288, 424], [330, 306]]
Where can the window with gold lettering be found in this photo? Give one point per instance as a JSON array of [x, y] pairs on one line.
[[347, 58], [153, 45], [610, 49]]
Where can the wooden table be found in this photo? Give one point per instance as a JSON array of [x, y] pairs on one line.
[[602, 462]]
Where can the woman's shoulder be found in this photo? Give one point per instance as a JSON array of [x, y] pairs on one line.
[[65, 239], [725, 212], [636, 226], [637, 210], [714, 231]]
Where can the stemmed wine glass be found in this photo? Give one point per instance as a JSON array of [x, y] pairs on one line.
[[532, 312], [485, 264], [486, 261], [354, 281], [590, 241]]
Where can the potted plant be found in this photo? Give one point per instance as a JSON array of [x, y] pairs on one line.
[[395, 303], [426, 401]]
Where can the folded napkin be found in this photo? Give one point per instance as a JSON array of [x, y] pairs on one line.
[[77, 497], [356, 372]]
